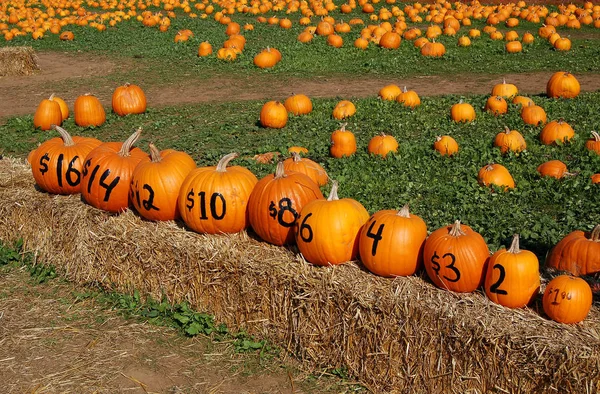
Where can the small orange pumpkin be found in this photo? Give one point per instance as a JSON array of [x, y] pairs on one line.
[[344, 109], [553, 168], [128, 99], [555, 132], [274, 115], [306, 166], [462, 112], [89, 111], [389, 92], [48, 113], [567, 299], [510, 140], [409, 98], [533, 114], [495, 174], [593, 144], [382, 144], [343, 143], [563, 84], [298, 104], [446, 145]]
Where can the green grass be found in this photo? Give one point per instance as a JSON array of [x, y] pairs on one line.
[[160, 57], [438, 189]]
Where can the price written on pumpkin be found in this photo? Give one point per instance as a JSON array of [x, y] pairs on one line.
[[559, 295], [108, 187], [147, 203], [376, 236], [449, 261], [278, 212], [304, 230], [495, 288], [217, 204], [72, 176]]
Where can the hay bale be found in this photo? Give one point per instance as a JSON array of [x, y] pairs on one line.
[[395, 336], [18, 61]]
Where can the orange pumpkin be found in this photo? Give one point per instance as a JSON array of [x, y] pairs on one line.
[[593, 144], [308, 167], [89, 111], [48, 113], [556, 131], [298, 104], [567, 299], [462, 112], [455, 258], [563, 84], [327, 230], [391, 243], [389, 92], [155, 184], [409, 98], [128, 99], [513, 276], [344, 109], [343, 143], [276, 201], [496, 105], [510, 140], [107, 174], [533, 114], [446, 145], [578, 253], [506, 90], [382, 144], [205, 49], [266, 58], [274, 115], [57, 163], [214, 199], [495, 174]]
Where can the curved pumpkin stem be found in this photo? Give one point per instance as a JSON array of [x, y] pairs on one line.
[[405, 90], [128, 144], [296, 157], [596, 136], [222, 164], [503, 81], [456, 231], [506, 130], [343, 126], [595, 236], [51, 97], [68, 140], [126, 84], [154, 153], [280, 171], [514, 246], [333, 195], [404, 212]]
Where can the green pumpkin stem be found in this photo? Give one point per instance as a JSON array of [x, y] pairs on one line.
[[333, 195], [222, 164], [68, 140], [595, 236], [596, 136], [404, 212], [128, 144], [456, 231], [154, 153], [280, 171], [514, 246]]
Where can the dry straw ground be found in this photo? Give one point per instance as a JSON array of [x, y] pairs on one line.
[[17, 61], [401, 335]]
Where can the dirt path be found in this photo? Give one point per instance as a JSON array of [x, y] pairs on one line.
[[75, 73]]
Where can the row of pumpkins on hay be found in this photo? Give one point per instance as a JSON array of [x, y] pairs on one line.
[[288, 207]]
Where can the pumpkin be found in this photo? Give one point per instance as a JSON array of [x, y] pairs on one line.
[[464, 41], [409, 98], [205, 49], [344, 109], [595, 179], [390, 40], [343, 143], [555, 132], [512, 278], [455, 258], [227, 54], [48, 113], [495, 174], [335, 40], [298, 104], [506, 90], [578, 253], [391, 243], [528, 38], [563, 84], [107, 174], [389, 92], [562, 44], [593, 144], [553, 168], [327, 231], [128, 99], [522, 101], [382, 145], [446, 145], [533, 114], [155, 184], [510, 140], [89, 111], [66, 36], [266, 59], [496, 105], [297, 149], [57, 163], [567, 299], [513, 47], [214, 199], [64, 108], [276, 201], [361, 43], [274, 115], [308, 167], [433, 49], [305, 37], [462, 112]]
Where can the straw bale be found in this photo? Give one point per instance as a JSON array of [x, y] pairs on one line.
[[395, 336], [18, 61]]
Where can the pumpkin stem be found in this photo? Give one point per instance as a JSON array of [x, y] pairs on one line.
[[514, 246], [127, 84], [68, 140], [222, 164], [404, 212], [128, 144], [280, 171], [154, 153], [506, 130], [296, 157], [333, 195], [343, 126], [503, 81], [456, 231], [596, 136], [405, 90], [51, 97], [595, 236]]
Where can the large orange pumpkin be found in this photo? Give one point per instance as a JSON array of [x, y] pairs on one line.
[[128, 99], [563, 84], [155, 184], [513, 276], [578, 253], [327, 230], [89, 111], [214, 199], [455, 258], [391, 243], [57, 163], [276, 201], [556, 131], [107, 173]]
